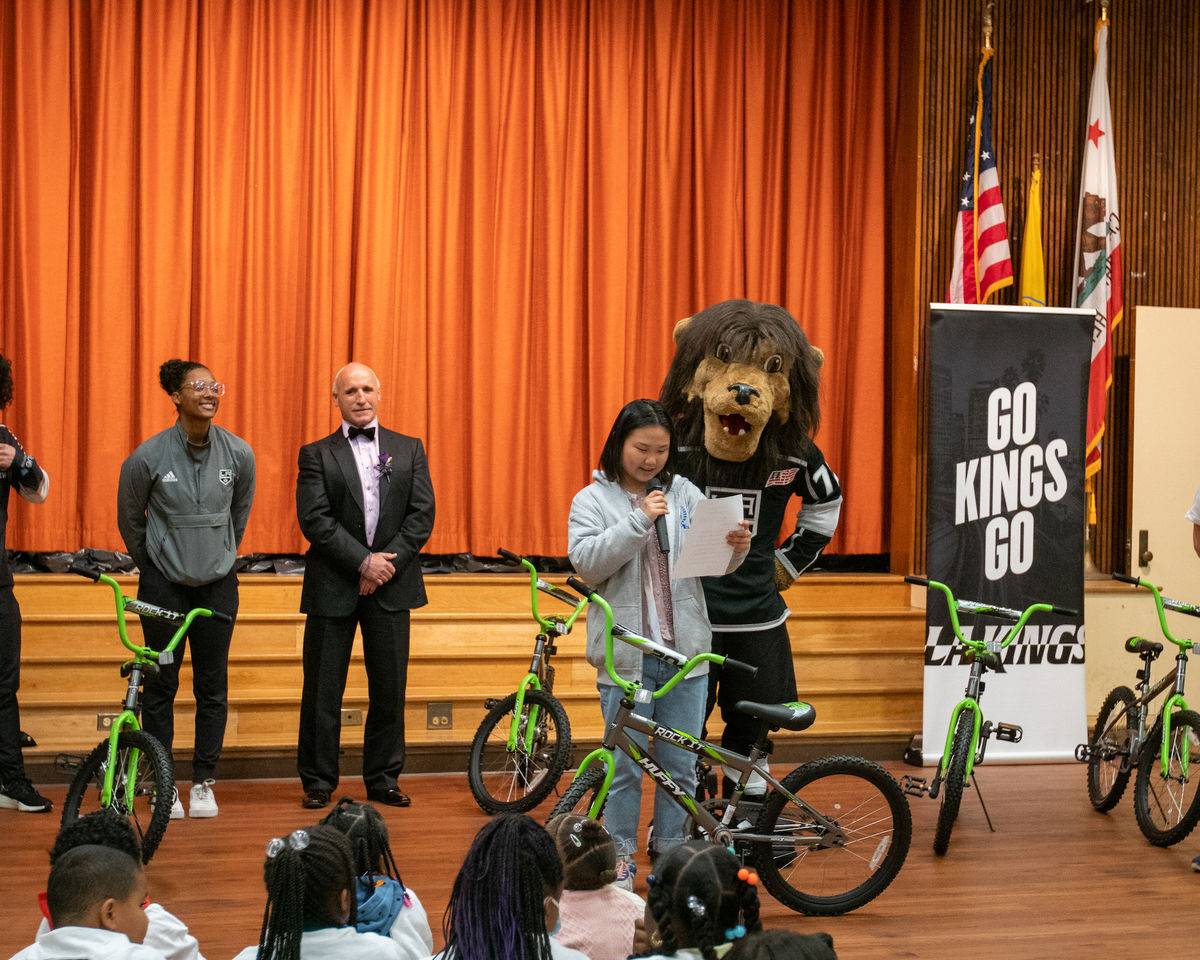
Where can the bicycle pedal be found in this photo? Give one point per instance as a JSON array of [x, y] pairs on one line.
[[490, 702], [1083, 752], [914, 786], [1008, 732], [66, 762]]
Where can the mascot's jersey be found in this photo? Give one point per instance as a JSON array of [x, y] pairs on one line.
[[747, 600]]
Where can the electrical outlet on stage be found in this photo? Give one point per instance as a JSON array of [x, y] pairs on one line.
[[352, 718], [439, 716]]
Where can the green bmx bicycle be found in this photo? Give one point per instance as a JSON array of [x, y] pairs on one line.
[[131, 764], [1166, 793], [967, 733], [828, 838], [523, 744]]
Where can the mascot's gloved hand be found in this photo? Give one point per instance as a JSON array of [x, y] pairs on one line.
[[783, 579]]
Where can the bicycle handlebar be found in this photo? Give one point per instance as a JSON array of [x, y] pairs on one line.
[[614, 631], [556, 624], [953, 605], [1162, 604], [143, 609]]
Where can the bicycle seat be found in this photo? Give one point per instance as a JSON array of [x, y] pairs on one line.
[[1143, 647], [788, 716]]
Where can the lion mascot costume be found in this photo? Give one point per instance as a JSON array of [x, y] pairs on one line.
[[742, 393]]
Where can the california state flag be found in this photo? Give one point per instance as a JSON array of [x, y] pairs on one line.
[[1098, 246]]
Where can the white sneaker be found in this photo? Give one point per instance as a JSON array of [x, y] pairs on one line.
[[176, 806], [202, 803]]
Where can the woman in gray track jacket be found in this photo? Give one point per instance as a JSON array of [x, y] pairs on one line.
[[612, 544], [182, 506]]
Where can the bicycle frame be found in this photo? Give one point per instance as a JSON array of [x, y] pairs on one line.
[[1173, 681], [983, 651], [617, 736], [551, 628]]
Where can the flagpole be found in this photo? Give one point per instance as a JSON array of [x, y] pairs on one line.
[[988, 7]]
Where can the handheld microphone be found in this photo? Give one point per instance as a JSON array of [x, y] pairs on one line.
[[660, 522]]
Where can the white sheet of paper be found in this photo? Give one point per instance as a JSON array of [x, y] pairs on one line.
[[705, 552]]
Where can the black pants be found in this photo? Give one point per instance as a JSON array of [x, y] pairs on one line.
[[12, 765], [770, 651], [327, 645], [209, 641]]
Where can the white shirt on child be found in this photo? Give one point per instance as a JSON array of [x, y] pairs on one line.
[[165, 933], [411, 929], [339, 943], [85, 943], [557, 951]]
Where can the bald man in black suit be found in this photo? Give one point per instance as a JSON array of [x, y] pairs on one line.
[[365, 503]]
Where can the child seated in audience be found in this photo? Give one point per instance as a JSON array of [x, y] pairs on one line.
[[95, 896], [165, 933], [504, 904], [310, 908], [783, 945], [598, 918], [701, 900], [384, 904]]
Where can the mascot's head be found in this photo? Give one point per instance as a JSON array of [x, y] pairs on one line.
[[744, 382]]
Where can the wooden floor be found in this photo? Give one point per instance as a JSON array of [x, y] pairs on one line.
[[1056, 880]]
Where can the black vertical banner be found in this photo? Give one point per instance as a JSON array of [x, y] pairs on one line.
[[1005, 511]]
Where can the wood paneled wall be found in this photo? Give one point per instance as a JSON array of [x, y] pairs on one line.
[[857, 642], [1042, 73]]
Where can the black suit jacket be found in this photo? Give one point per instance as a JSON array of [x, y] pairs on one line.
[[330, 509]]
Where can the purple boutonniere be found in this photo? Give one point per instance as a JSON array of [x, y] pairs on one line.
[[383, 469]]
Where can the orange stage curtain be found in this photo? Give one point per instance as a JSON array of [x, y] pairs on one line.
[[503, 207]]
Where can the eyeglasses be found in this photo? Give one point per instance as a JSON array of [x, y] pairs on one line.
[[203, 386]]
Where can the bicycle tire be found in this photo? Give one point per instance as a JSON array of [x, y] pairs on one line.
[[1108, 752], [504, 781], [578, 796], [952, 785], [1167, 808], [153, 778], [867, 803]]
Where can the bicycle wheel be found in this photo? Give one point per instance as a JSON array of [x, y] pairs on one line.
[[952, 785], [1108, 752], [152, 779], [578, 797], [822, 876], [1167, 806], [517, 780]]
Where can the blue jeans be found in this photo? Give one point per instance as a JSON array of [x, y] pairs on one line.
[[682, 709]]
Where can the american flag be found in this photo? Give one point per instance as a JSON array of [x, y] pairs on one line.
[[982, 264]]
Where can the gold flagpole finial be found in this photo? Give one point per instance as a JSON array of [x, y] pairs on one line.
[[1104, 11], [988, 7], [1037, 161]]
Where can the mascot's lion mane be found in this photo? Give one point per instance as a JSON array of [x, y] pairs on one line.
[[743, 382]]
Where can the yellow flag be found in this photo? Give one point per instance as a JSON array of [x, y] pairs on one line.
[[1033, 269]]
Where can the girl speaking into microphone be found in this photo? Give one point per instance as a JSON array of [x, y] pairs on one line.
[[613, 545]]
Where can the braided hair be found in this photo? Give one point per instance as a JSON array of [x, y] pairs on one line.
[[173, 373], [497, 908], [696, 897], [306, 875], [367, 833]]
